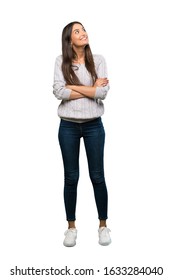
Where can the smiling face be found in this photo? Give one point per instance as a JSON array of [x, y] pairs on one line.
[[79, 37]]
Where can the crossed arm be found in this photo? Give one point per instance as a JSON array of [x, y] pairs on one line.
[[86, 91]]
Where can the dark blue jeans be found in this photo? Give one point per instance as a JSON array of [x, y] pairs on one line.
[[93, 135]]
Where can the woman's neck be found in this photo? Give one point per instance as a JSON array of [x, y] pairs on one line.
[[80, 56]]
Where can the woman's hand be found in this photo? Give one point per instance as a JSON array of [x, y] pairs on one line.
[[101, 82]]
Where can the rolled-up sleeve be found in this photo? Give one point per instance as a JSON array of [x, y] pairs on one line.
[[101, 92], [59, 89], [101, 69]]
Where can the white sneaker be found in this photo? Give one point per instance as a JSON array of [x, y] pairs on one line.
[[104, 237], [70, 237]]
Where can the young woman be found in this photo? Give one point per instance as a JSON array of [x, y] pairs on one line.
[[80, 82]]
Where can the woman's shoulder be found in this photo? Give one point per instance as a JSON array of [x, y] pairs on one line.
[[59, 59], [98, 58]]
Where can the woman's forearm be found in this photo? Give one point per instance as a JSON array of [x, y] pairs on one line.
[[86, 91], [89, 91], [75, 95]]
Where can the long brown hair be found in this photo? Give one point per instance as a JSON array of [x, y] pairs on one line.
[[69, 55]]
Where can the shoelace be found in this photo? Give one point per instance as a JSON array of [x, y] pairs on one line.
[[105, 230], [70, 231]]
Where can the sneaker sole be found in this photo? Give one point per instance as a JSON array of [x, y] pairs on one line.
[[69, 245], [105, 244]]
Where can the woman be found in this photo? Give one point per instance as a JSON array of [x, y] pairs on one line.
[[80, 82]]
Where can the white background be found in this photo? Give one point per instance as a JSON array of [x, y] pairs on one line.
[[135, 37]]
